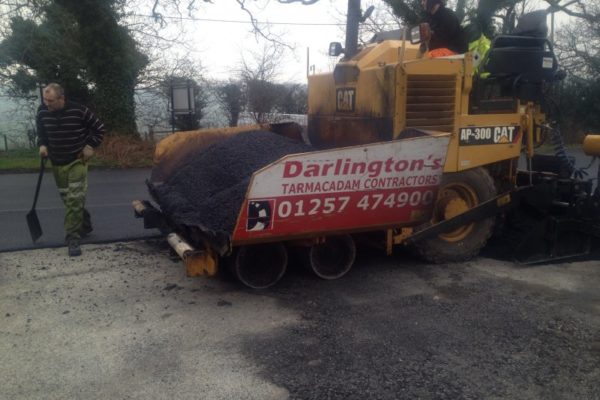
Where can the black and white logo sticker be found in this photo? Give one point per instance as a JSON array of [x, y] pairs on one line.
[[489, 135], [260, 215], [345, 99]]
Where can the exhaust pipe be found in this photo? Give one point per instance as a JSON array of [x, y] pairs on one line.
[[260, 266], [197, 262], [352, 22]]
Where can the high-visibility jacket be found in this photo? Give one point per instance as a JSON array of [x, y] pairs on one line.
[[479, 48]]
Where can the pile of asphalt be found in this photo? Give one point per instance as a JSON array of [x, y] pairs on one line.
[[209, 190], [394, 329]]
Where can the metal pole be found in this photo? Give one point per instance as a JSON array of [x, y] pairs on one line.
[[172, 109], [5, 142], [307, 61], [41, 93], [189, 95], [403, 48], [352, 21], [552, 28]]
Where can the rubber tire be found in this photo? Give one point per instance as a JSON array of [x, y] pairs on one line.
[[334, 258], [438, 250], [260, 266]]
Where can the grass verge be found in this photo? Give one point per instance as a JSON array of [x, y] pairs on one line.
[[115, 152]]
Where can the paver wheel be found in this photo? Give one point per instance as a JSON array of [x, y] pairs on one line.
[[333, 258], [260, 266], [458, 193]]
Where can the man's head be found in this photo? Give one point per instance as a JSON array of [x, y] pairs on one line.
[[431, 6], [54, 97]]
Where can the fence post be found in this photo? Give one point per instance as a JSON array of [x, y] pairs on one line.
[[5, 142]]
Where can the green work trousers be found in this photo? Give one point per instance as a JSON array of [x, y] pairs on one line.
[[71, 180]]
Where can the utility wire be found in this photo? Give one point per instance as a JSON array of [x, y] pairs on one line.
[[240, 21]]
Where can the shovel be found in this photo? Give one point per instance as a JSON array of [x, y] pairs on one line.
[[35, 229]]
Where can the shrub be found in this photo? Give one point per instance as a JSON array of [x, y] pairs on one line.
[[125, 151]]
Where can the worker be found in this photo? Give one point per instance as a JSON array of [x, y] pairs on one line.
[[441, 33], [68, 133], [478, 45]]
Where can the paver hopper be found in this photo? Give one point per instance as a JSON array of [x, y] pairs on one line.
[[247, 201]]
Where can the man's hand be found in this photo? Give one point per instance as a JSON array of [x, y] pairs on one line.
[[87, 153], [43, 151]]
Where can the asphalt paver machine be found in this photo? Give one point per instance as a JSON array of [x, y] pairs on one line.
[[402, 150]]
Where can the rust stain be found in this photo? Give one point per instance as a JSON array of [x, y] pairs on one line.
[[327, 131]]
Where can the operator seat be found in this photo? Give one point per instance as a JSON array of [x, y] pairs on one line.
[[517, 65]]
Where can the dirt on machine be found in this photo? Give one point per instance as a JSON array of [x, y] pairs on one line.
[[402, 149]]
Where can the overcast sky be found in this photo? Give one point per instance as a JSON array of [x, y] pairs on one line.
[[218, 45], [287, 20], [220, 33]]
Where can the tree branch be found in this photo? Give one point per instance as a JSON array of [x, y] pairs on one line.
[[555, 6], [258, 30], [303, 2]]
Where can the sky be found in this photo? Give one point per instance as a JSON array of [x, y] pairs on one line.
[[219, 45]]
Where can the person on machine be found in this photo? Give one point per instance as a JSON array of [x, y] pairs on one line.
[[441, 33]]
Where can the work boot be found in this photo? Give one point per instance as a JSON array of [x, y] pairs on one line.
[[86, 226], [85, 231], [74, 249]]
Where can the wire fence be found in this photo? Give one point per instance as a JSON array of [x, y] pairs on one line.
[[26, 140], [10, 142]]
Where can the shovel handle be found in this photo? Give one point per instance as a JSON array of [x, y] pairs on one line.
[[39, 182]]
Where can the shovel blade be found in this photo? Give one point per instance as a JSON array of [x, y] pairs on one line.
[[33, 222]]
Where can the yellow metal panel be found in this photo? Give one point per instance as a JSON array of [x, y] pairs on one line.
[[321, 94], [467, 83], [385, 53], [479, 155], [452, 154], [204, 263], [591, 145], [375, 92], [435, 66], [400, 111]]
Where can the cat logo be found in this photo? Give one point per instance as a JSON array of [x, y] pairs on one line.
[[489, 135], [345, 99]]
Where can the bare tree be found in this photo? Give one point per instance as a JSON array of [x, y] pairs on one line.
[[230, 97], [258, 74], [382, 19], [578, 46], [152, 110], [293, 98]]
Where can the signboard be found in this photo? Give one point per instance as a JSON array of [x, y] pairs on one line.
[[347, 189], [478, 135], [183, 99]]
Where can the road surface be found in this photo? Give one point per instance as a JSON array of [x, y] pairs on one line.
[[124, 322], [109, 201]]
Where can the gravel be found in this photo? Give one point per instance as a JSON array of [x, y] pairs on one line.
[[124, 322], [209, 191], [456, 334]]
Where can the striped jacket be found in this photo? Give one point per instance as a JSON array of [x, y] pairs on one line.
[[66, 132]]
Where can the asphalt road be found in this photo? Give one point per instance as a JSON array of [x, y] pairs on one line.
[[110, 193], [109, 200], [124, 322]]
